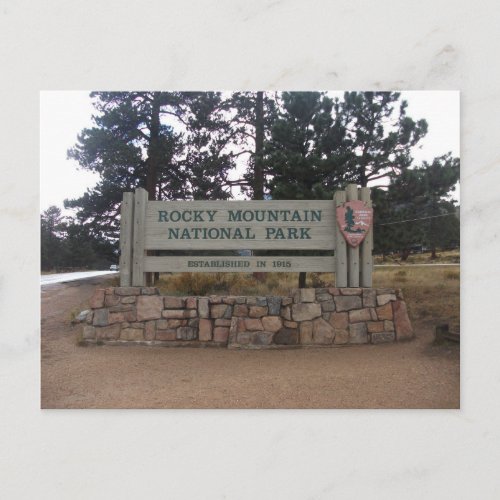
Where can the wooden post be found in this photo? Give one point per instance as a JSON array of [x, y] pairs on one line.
[[141, 199], [126, 235], [366, 257], [352, 253], [340, 245]]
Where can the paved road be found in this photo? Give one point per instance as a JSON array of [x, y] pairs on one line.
[[50, 279]]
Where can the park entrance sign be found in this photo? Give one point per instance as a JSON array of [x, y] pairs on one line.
[[244, 225]]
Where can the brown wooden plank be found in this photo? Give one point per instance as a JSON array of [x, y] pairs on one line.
[[217, 225], [197, 264], [366, 247], [340, 246], [126, 235], [352, 253], [140, 204]]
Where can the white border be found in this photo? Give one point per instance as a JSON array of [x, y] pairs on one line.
[[238, 44]]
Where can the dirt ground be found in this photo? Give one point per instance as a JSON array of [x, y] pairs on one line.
[[416, 374]]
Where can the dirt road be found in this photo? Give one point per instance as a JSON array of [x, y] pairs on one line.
[[416, 374]]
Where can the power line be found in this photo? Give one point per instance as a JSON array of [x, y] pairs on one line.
[[412, 220]]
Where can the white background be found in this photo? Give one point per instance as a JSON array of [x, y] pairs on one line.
[[230, 44]]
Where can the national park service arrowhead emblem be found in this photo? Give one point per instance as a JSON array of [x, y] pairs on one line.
[[354, 219]]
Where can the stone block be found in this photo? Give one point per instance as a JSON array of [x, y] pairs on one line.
[[110, 290], [334, 291], [328, 306], [119, 317], [241, 300], [128, 300], [243, 338], [382, 337], [358, 333], [174, 302], [111, 300], [384, 312], [341, 337], [287, 336], [149, 307], [286, 313], [121, 308], [127, 290], [150, 290], [262, 338], [272, 323], [388, 326], [186, 333], [286, 301], [191, 303], [290, 324], [111, 332], [323, 297], [179, 313], [88, 332], [101, 316], [97, 299], [305, 311], [375, 326], [253, 324], [257, 301], [326, 316], [168, 324], [194, 322], [307, 294], [219, 310], [257, 311], [402, 323], [131, 334], [205, 330], [346, 303], [229, 300], [90, 317], [166, 334], [358, 315], [306, 332], [203, 308], [274, 305], [384, 299], [222, 322], [137, 325], [149, 330], [215, 299], [369, 297], [221, 333], [323, 332], [351, 291], [240, 310], [339, 320]]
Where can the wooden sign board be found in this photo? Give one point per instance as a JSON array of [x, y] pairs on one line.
[[355, 220], [238, 225], [194, 226]]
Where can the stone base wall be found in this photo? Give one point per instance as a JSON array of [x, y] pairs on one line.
[[309, 317]]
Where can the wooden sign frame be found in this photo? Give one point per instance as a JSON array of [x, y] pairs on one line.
[[240, 225]]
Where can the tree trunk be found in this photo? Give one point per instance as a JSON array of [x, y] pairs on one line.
[[258, 172], [258, 181], [153, 167], [302, 280]]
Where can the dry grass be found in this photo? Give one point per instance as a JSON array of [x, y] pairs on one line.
[[445, 257]]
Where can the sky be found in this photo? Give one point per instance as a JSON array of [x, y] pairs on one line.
[[63, 114]]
